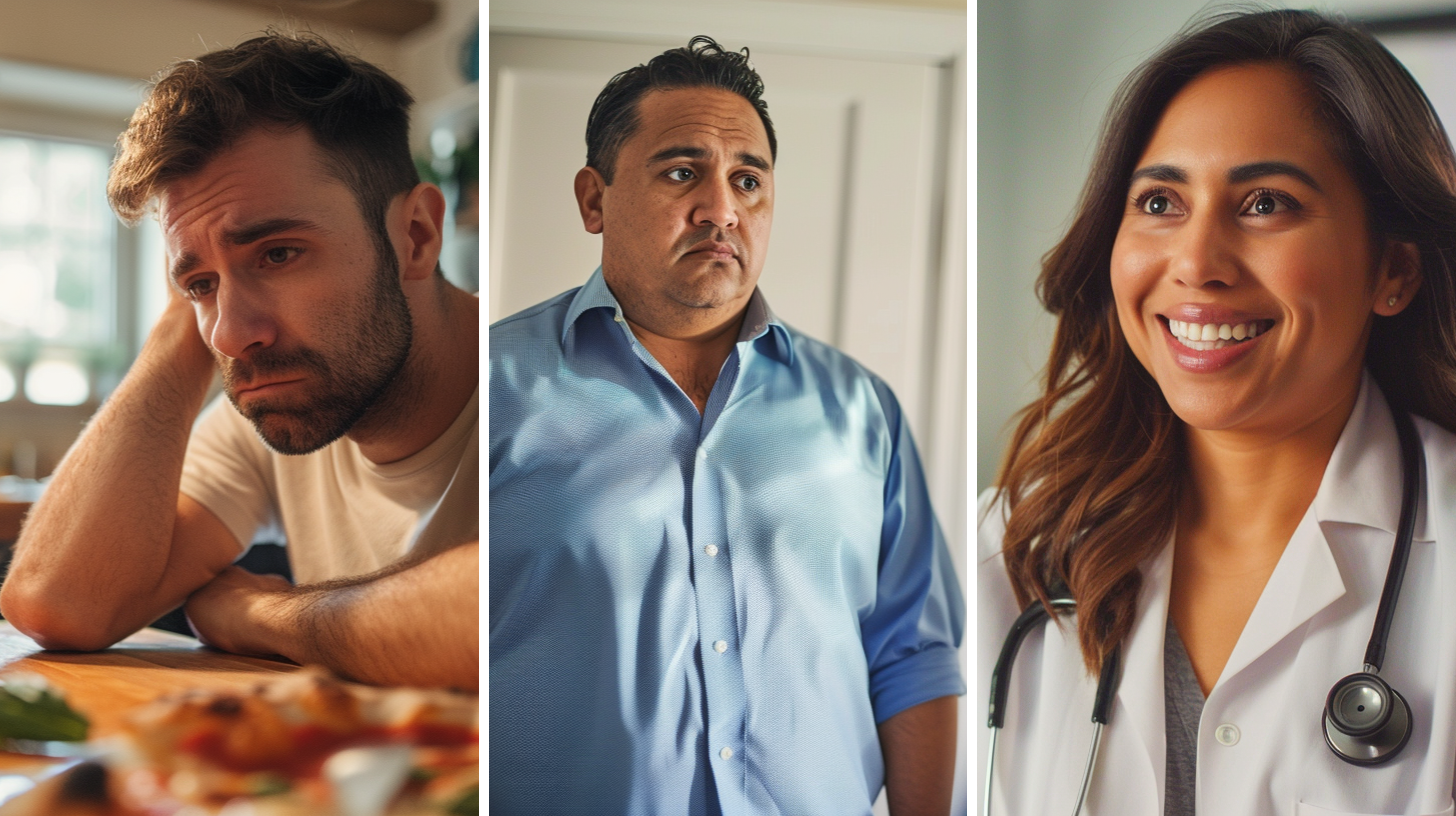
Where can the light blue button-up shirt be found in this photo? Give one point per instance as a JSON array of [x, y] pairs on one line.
[[702, 614]]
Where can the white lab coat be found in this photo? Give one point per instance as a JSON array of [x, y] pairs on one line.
[[1309, 628]]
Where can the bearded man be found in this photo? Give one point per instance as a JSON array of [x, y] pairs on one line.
[[302, 254]]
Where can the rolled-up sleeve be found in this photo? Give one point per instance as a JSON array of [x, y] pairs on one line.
[[914, 631]]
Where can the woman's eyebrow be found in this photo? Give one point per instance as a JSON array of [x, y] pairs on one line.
[[1248, 172], [1160, 172], [1242, 173]]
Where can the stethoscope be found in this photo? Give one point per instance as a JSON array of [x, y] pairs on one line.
[[1366, 722]]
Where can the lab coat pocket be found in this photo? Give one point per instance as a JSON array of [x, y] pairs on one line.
[[1305, 809]]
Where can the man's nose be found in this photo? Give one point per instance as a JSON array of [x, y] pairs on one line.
[[1204, 252], [241, 323], [717, 204]]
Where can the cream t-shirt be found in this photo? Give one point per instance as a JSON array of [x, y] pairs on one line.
[[341, 514]]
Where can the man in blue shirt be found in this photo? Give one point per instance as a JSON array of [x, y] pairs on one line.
[[716, 582]]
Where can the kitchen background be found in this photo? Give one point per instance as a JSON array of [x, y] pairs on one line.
[[79, 290]]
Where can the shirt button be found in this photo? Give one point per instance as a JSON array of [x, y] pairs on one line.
[[702, 453], [1227, 734], [618, 318], [722, 646], [711, 549], [726, 753]]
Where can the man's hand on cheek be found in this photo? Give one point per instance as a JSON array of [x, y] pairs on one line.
[[242, 612], [176, 352]]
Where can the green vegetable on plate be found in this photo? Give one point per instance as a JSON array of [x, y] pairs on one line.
[[31, 710]]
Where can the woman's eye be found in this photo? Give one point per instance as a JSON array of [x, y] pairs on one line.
[[1270, 202], [1157, 205], [1265, 205], [680, 174]]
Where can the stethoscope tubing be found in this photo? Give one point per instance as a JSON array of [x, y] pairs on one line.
[[1107, 681], [1413, 484]]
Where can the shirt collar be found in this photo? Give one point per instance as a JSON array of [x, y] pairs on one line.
[[594, 295], [758, 319], [1362, 482]]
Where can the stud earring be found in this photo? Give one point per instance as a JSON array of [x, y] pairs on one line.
[[1390, 301]]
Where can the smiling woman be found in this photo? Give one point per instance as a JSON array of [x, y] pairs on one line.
[[1256, 227], [1255, 292]]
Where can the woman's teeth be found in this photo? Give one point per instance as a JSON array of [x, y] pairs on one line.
[[1207, 336]]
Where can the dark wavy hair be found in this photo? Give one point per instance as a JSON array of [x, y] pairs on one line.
[[1093, 472], [701, 64], [197, 108]]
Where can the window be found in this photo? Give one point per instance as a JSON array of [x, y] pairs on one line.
[[74, 301], [57, 267]]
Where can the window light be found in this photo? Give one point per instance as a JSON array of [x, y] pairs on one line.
[[56, 382]]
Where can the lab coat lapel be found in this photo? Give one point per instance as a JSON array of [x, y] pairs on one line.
[[1140, 694], [1305, 581], [1307, 578], [1366, 457]]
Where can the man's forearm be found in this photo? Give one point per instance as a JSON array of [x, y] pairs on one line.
[[919, 745], [418, 625], [93, 551]]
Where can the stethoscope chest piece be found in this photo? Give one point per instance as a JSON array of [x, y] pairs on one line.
[[1366, 721]]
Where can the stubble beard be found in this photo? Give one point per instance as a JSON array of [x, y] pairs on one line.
[[372, 342]]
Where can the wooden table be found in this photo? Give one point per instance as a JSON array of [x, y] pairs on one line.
[[105, 685]]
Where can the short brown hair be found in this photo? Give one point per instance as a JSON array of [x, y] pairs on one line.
[[197, 108]]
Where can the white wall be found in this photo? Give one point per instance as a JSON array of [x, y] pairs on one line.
[[1046, 71]]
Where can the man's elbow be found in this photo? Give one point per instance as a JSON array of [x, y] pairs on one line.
[[51, 625]]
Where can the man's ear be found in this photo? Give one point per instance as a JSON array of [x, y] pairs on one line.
[[417, 220], [590, 187], [1399, 278]]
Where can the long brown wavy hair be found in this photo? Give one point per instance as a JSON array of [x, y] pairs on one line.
[[1092, 477]]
